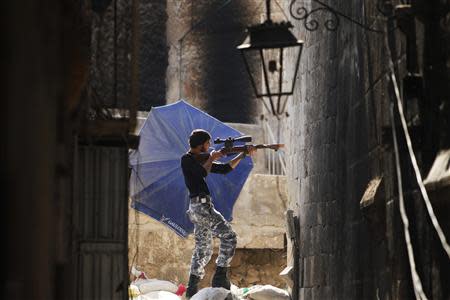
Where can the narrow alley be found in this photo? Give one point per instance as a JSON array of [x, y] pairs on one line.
[[226, 149]]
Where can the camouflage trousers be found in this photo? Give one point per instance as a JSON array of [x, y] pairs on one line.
[[209, 223]]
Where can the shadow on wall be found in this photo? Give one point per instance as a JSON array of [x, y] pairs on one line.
[[223, 82]]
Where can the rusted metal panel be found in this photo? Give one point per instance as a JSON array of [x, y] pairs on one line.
[[101, 222]]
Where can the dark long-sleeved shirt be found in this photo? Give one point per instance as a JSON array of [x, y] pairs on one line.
[[194, 174]]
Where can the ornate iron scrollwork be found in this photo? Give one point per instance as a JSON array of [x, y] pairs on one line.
[[301, 13]]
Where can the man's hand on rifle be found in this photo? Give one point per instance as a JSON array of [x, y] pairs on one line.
[[251, 150], [214, 155]]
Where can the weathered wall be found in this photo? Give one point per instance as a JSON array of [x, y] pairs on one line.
[[259, 212], [336, 147], [153, 58], [335, 131], [205, 64], [110, 78], [109, 82]]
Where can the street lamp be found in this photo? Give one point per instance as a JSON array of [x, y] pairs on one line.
[[264, 51]]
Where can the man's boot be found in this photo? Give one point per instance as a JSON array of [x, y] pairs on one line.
[[220, 278], [192, 288]]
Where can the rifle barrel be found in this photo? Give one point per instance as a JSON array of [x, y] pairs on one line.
[[238, 149]]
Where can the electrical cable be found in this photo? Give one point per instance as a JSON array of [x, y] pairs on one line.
[[413, 159], [417, 284]]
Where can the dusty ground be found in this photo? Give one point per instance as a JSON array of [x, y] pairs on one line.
[[252, 266], [248, 267]]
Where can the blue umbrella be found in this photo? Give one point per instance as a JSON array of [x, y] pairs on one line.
[[157, 186]]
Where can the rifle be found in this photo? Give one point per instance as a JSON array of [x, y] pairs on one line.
[[230, 149]]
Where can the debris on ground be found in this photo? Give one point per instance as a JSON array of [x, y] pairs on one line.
[[169, 291], [155, 289], [213, 294], [256, 292], [263, 292], [152, 285], [143, 288], [159, 295], [138, 274]]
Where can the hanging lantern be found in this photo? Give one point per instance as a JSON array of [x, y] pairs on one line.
[[265, 51]]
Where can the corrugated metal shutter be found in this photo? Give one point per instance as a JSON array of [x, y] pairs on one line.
[[101, 222]]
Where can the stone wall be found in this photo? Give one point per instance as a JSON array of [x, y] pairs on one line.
[[204, 66], [110, 73], [153, 56], [337, 146], [337, 115], [259, 212], [109, 83]]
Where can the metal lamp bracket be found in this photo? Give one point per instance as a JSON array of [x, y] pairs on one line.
[[299, 12]]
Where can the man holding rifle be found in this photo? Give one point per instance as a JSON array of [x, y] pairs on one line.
[[208, 222]]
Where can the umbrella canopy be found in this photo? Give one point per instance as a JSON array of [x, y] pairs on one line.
[[157, 186]]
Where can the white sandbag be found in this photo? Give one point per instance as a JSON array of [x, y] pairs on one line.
[[159, 295], [150, 285], [133, 291], [236, 292], [267, 292], [242, 292], [212, 294]]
